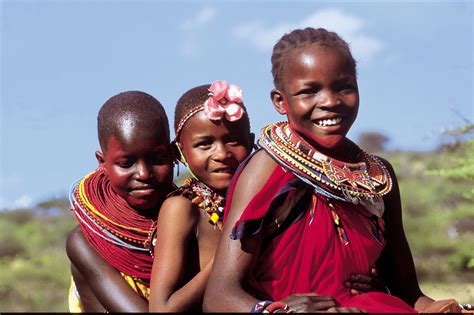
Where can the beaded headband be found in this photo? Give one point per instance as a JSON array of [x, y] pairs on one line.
[[225, 100]]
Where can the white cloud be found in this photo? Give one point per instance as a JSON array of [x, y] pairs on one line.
[[349, 27], [204, 16], [23, 202]]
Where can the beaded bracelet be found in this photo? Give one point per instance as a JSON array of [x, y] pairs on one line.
[[260, 306], [276, 307]]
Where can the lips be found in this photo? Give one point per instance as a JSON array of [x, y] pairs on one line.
[[142, 191], [223, 170]]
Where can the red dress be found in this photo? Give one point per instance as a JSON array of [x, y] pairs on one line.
[[323, 243]]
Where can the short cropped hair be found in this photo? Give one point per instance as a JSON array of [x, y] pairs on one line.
[[139, 107]]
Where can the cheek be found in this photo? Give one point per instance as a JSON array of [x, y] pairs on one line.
[[241, 153], [164, 173], [195, 159]]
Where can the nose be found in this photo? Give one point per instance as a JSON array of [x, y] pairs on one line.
[[328, 99], [221, 153], [143, 171]]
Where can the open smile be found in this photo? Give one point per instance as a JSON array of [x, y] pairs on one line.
[[223, 170], [328, 122]]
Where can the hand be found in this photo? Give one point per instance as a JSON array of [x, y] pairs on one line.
[[442, 306], [365, 283], [309, 302], [345, 310]]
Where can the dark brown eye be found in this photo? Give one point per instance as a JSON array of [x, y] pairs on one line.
[[125, 163]]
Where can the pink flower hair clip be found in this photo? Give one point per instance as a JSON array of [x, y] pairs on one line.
[[224, 100]]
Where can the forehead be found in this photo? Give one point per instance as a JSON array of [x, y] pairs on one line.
[[199, 126], [133, 136], [318, 59]]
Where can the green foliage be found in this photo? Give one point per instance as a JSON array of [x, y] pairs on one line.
[[35, 268], [438, 208]]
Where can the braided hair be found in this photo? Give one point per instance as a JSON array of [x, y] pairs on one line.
[[300, 38], [133, 108], [193, 98]]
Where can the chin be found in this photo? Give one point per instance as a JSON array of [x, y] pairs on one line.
[[145, 204]]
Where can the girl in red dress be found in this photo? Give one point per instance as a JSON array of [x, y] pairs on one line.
[[311, 208]]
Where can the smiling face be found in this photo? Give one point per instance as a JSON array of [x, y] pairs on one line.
[[214, 149], [139, 166], [319, 94]]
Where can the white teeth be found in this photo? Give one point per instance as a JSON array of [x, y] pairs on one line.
[[328, 122]]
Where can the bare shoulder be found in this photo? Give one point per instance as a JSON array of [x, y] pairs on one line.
[[177, 206], [177, 217], [76, 244], [250, 182], [257, 171], [83, 255]]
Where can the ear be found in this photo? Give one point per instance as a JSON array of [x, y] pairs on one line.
[[278, 101], [100, 159]]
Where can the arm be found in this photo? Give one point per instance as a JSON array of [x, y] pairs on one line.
[[171, 288], [235, 259], [110, 289], [88, 300], [396, 262]]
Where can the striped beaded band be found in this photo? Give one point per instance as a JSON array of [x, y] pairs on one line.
[[260, 306], [335, 179], [185, 118]]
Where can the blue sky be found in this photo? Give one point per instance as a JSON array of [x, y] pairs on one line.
[[61, 60]]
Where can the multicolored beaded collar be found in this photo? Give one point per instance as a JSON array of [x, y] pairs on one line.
[[207, 200], [363, 182]]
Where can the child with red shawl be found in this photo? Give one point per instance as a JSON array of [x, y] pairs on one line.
[[310, 208]]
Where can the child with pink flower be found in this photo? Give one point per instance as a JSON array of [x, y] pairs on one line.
[[213, 136]]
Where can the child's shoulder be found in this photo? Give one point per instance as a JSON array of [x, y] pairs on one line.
[[260, 165]]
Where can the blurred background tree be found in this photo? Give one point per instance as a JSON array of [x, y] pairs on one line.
[[373, 142]]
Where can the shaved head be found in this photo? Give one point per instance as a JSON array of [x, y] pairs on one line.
[[130, 113]]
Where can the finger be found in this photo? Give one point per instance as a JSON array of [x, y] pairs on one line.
[[361, 278], [373, 272], [354, 292], [344, 310], [332, 310], [308, 306], [362, 287], [306, 294], [347, 284]]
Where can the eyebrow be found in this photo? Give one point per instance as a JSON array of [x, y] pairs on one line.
[[201, 137]]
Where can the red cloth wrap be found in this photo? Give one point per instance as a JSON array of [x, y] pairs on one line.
[[309, 256]]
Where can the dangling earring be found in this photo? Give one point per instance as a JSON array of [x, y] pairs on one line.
[[183, 159], [175, 162]]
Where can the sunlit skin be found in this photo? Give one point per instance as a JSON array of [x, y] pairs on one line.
[[319, 95], [323, 86], [139, 166], [185, 241], [214, 149]]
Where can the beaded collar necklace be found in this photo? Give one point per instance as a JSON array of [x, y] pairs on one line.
[[363, 181], [117, 232], [207, 200]]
